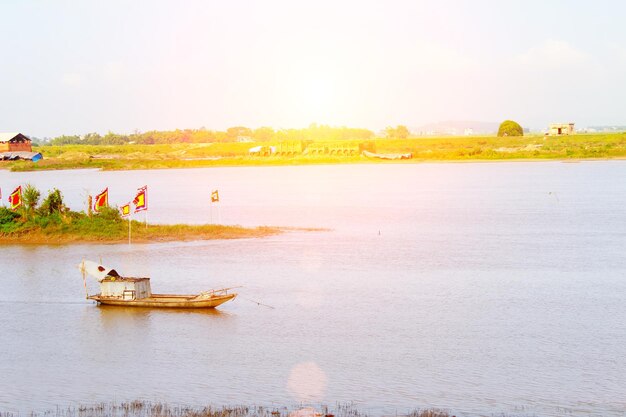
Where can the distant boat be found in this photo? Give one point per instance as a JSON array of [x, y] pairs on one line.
[[117, 290], [391, 156]]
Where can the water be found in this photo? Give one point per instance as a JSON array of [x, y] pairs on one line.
[[479, 288]]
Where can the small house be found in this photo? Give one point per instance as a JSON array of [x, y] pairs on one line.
[[15, 142], [561, 129], [125, 288]]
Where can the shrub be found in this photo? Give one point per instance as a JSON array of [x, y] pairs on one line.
[[110, 213], [510, 128], [53, 203], [45, 221], [7, 216]]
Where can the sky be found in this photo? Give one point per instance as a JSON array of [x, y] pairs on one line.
[[73, 67]]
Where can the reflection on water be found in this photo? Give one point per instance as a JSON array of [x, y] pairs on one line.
[[307, 382], [462, 286], [130, 313]]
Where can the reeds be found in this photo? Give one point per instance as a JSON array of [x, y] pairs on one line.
[[148, 409]]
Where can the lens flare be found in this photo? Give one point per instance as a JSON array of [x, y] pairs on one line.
[[307, 382]]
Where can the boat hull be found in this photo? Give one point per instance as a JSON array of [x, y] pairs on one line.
[[166, 301]]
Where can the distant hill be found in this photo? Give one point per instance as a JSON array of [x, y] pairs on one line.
[[613, 128], [456, 128]]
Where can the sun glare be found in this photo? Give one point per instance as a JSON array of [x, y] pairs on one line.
[[316, 95], [311, 92], [314, 99]]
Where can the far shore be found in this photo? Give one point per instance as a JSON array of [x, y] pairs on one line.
[[418, 150], [146, 165], [240, 163]]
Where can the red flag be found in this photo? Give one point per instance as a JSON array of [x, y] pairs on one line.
[[141, 199], [15, 199], [101, 200]]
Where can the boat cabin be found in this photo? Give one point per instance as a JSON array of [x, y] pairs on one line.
[[115, 286], [125, 288]]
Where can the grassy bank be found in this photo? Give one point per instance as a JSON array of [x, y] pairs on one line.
[[423, 149], [54, 230]]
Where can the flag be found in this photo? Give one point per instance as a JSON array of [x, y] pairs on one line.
[[15, 199], [125, 210], [141, 199], [215, 197], [101, 200]]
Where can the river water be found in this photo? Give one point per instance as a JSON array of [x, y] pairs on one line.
[[479, 288]]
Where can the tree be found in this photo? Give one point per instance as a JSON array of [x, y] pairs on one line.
[[263, 134], [235, 132], [92, 139], [66, 140], [31, 196], [402, 132], [399, 132], [510, 128]]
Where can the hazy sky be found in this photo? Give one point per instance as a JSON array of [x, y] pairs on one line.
[[82, 66]]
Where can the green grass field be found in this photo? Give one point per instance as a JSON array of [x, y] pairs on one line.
[[423, 149]]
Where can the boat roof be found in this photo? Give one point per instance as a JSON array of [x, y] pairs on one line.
[[97, 271], [124, 279]]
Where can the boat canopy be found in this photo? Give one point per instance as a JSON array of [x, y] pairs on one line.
[[96, 270]]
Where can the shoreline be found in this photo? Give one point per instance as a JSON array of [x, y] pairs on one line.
[[295, 163], [152, 234]]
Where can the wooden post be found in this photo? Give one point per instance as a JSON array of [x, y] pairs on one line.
[[84, 279], [89, 205]]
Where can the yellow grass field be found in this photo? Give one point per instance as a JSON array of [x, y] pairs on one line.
[[423, 149]]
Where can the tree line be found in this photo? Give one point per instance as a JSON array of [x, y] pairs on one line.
[[233, 134]]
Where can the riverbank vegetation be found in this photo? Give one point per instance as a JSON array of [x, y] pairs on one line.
[[52, 222], [148, 409], [422, 149], [232, 134]]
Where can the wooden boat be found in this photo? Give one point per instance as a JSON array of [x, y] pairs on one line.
[[117, 290]]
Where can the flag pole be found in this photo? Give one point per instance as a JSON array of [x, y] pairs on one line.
[[84, 279], [129, 222]]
